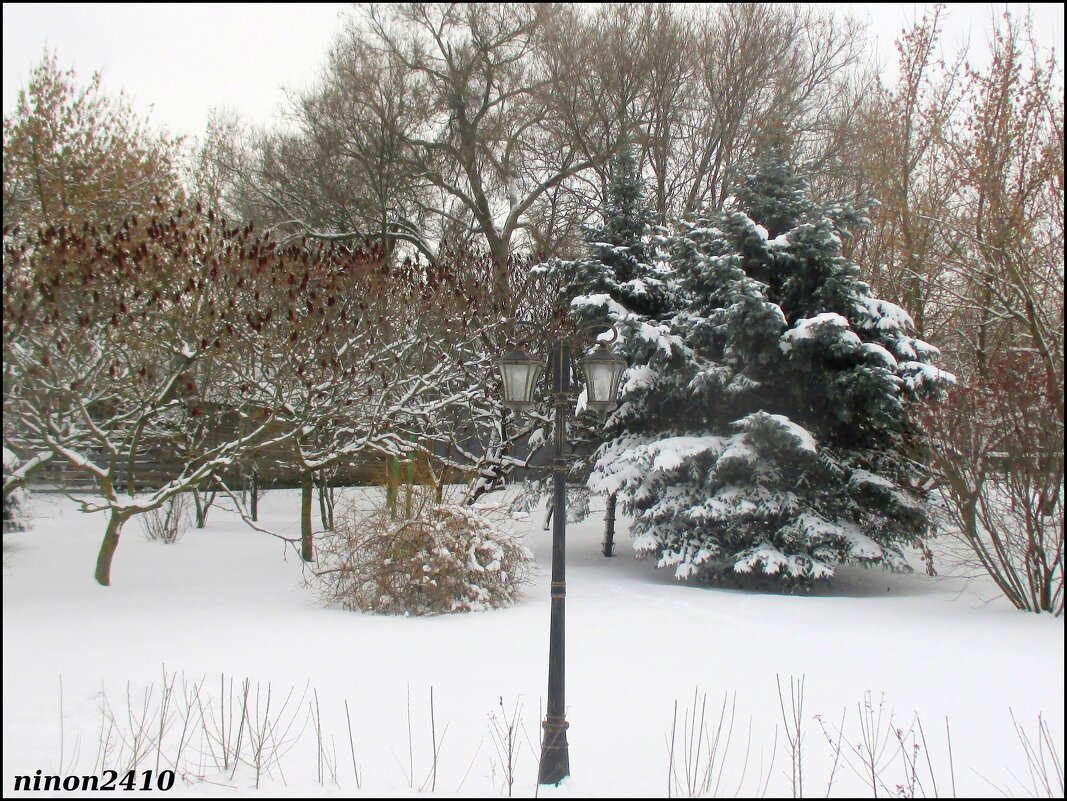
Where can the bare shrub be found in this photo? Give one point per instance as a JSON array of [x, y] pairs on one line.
[[203, 500], [883, 747], [410, 772], [168, 522], [1044, 765], [697, 755], [15, 495], [14, 511], [794, 735], [504, 731], [442, 558], [998, 460], [188, 730]]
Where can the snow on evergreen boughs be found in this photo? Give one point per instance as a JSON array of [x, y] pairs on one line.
[[771, 437], [620, 260], [619, 281]]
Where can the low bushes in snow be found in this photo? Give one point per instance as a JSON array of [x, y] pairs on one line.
[[14, 497], [14, 506], [168, 522], [440, 558]]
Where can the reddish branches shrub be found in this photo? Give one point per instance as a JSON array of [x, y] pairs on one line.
[[998, 459]]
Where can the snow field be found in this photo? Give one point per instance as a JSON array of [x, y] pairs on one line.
[[227, 600]]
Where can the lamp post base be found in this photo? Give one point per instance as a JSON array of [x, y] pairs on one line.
[[555, 757]]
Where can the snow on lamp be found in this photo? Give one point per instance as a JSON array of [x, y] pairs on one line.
[[603, 374], [519, 372]]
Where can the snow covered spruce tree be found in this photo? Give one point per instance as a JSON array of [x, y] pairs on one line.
[[619, 267], [618, 282], [770, 431]]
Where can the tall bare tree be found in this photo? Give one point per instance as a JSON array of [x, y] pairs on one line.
[[491, 125], [430, 127]]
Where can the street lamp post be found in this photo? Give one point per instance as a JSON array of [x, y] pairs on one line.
[[603, 372]]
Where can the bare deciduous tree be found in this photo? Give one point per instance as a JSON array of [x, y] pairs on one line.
[[113, 340], [491, 125]]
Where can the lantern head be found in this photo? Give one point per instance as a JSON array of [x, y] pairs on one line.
[[519, 372], [603, 374]]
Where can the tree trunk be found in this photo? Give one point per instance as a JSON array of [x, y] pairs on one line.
[[409, 490], [609, 526], [322, 499], [307, 546], [393, 466], [203, 503], [326, 500], [201, 515], [501, 295], [440, 494], [492, 472], [1046, 592], [255, 497], [330, 503], [107, 549]]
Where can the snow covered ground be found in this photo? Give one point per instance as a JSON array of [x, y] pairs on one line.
[[227, 601]]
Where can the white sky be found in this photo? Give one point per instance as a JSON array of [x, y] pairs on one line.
[[176, 62]]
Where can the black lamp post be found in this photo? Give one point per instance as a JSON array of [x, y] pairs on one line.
[[603, 373]]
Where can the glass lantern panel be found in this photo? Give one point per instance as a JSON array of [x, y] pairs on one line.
[[519, 381], [601, 380]]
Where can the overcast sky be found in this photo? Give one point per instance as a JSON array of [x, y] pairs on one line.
[[176, 62]]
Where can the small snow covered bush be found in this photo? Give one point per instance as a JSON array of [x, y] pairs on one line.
[[169, 522], [442, 558], [14, 511], [14, 499]]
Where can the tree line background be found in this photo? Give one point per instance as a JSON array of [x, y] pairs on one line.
[[444, 150]]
